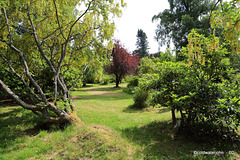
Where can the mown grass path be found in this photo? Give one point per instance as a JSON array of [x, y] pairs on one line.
[[108, 106], [111, 131], [149, 130]]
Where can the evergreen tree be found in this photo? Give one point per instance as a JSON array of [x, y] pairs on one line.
[[142, 44]]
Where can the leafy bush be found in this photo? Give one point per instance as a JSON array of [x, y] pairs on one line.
[[147, 66], [15, 84], [142, 92], [140, 98], [211, 89], [133, 81], [106, 79]]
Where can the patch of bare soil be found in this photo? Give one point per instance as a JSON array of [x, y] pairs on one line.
[[104, 93], [79, 97]]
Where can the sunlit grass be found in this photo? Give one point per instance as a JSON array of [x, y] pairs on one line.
[[112, 131]]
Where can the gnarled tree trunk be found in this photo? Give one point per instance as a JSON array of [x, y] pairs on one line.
[[61, 116]]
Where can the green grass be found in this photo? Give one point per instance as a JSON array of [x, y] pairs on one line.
[[111, 131]]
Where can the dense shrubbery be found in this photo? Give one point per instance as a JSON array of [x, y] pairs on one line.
[[206, 91], [44, 79], [142, 92], [12, 82]]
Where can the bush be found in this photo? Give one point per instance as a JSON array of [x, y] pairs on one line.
[[142, 92], [147, 66], [133, 82], [129, 90], [106, 79], [140, 98], [14, 83]]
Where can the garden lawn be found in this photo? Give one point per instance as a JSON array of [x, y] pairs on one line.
[[112, 131]]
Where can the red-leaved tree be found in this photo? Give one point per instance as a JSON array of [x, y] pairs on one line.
[[123, 63]]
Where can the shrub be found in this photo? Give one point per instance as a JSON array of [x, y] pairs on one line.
[[142, 92], [140, 98], [133, 82], [147, 66]]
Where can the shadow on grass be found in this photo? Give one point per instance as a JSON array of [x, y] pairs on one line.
[[107, 88], [15, 123], [7, 103], [131, 109], [159, 142], [164, 110]]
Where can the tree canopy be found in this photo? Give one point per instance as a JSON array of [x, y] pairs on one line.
[[183, 16], [142, 44], [53, 38], [123, 63]]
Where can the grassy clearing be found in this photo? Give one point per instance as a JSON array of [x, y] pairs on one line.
[[111, 131]]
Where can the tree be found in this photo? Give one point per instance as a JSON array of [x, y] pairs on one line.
[[123, 63], [142, 44], [183, 16], [52, 38], [211, 87], [167, 86]]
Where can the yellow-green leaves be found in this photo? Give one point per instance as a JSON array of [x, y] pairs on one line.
[[199, 47], [228, 19]]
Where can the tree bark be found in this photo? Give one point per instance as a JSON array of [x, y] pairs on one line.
[[63, 117], [117, 81], [174, 120]]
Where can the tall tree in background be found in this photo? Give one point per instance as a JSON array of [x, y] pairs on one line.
[[183, 16], [142, 44], [123, 63], [51, 37]]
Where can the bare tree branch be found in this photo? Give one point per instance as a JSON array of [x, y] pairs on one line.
[[20, 77], [7, 23], [39, 45], [56, 11], [70, 31], [17, 99]]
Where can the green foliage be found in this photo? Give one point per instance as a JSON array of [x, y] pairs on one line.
[[140, 98], [12, 82], [167, 56], [133, 81], [141, 92], [65, 43], [142, 44], [178, 21], [106, 79], [213, 90], [234, 62], [147, 65], [94, 72], [168, 84], [205, 92]]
